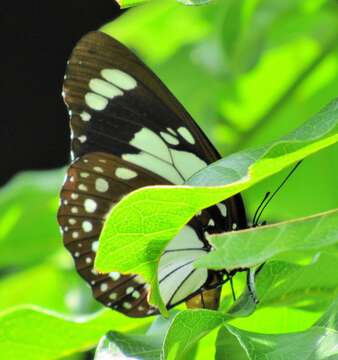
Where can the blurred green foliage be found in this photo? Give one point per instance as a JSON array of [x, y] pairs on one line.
[[249, 71]]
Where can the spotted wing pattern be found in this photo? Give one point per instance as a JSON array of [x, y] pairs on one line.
[[128, 131]]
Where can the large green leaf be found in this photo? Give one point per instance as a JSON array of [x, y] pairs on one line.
[[187, 328], [28, 227], [116, 345], [33, 333], [309, 286], [254, 246], [60, 288], [143, 347], [318, 342], [176, 338], [156, 214]]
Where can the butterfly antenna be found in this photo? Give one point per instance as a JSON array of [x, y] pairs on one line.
[[255, 223]]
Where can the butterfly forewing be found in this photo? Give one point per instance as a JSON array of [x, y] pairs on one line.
[[106, 85], [128, 131]]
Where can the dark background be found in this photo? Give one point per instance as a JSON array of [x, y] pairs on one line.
[[37, 37]]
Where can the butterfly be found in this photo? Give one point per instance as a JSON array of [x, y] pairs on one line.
[[128, 131]]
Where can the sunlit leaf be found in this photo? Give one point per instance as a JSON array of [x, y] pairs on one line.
[[143, 347], [307, 287], [28, 227], [34, 333], [187, 329], [25, 288], [318, 342], [254, 246], [124, 347]]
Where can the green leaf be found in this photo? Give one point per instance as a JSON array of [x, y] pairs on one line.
[[59, 288], [116, 345], [28, 227], [156, 214], [174, 338], [251, 247], [129, 3], [318, 342], [306, 287], [34, 333], [143, 347], [187, 328]]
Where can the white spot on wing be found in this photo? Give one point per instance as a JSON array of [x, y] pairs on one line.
[[90, 205], [87, 226], [223, 209], [104, 287], [115, 275], [95, 246], [127, 305], [172, 274], [83, 187], [125, 174], [171, 131], [169, 138], [85, 116], [96, 102], [113, 296], [211, 222], [187, 163], [186, 134], [101, 185], [136, 294], [98, 169], [186, 238], [119, 78], [192, 284], [104, 88], [82, 139], [129, 290], [147, 140], [155, 165]]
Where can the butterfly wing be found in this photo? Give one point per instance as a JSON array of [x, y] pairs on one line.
[[128, 131]]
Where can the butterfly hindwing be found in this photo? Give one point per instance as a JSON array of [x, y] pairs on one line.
[[128, 131], [94, 183]]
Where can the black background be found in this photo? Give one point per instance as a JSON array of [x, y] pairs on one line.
[[37, 37]]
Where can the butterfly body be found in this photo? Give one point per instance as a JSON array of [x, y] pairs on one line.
[[128, 131]]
